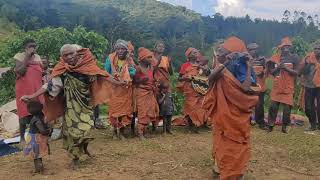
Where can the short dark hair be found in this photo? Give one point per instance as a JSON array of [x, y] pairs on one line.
[[28, 41], [34, 107]]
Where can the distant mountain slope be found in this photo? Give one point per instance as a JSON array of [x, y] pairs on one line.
[[146, 21]]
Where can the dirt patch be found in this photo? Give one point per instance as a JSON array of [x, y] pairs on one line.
[[182, 156]]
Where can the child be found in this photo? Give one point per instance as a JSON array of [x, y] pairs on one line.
[[37, 139], [166, 106]]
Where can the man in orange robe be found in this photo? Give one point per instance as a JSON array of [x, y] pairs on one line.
[[195, 116], [283, 67], [147, 106], [230, 104], [311, 78], [122, 67], [259, 67]]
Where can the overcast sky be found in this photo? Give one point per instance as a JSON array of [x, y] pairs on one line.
[[267, 9]]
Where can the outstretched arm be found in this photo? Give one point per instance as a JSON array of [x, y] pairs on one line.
[[216, 74], [27, 98]]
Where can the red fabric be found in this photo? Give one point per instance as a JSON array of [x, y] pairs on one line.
[[148, 74], [183, 67], [28, 84]]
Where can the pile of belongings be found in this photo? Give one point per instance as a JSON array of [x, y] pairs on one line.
[[9, 128]]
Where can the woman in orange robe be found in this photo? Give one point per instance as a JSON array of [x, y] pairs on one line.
[[122, 67], [230, 104], [195, 116], [147, 106]]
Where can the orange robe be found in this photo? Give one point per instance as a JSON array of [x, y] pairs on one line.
[[120, 103], [161, 74], [230, 108], [283, 85], [87, 64], [193, 100], [147, 105]]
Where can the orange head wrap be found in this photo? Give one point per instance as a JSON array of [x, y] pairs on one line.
[[130, 46], [143, 53], [285, 42], [189, 50], [234, 44]]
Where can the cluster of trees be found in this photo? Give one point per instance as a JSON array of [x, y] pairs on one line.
[[49, 41], [146, 21]]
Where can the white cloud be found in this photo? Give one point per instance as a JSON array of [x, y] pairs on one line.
[[268, 9], [230, 7]]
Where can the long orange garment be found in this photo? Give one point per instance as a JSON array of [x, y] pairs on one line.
[[230, 108], [147, 105], [120, 103], [193, 101], [161, 74], [283, 85], [87, 64]]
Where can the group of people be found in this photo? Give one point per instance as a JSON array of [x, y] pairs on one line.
[[224, 96]]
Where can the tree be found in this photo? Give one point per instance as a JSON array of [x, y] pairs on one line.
[[50, 40], [286, 16]]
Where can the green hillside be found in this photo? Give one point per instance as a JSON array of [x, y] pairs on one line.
[[146, 21]]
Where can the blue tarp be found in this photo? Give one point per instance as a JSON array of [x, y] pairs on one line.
[[6, 149]]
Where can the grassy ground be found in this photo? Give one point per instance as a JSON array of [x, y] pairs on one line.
[[295, 156]]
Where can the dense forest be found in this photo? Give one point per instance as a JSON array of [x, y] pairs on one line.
[[146, 21]]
